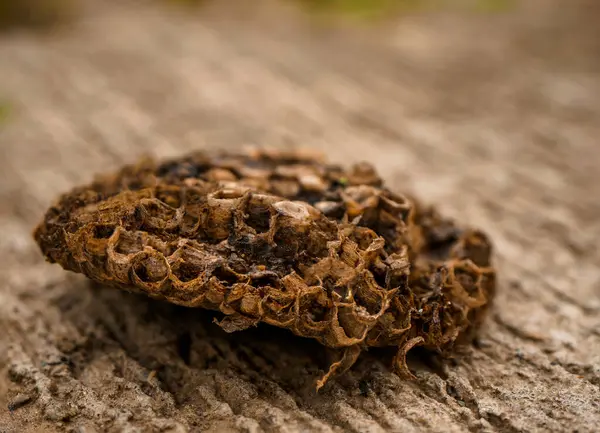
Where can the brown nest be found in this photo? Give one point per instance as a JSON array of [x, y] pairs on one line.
[[280, 237]]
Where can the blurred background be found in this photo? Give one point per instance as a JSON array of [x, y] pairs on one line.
[[461, 92]]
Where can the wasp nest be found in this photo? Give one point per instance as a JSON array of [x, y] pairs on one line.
[[284, 238]]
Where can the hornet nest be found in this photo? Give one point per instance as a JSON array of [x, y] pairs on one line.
[[284, 238]]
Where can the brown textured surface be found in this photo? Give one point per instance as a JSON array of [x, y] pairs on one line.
[[243, 233], [501, 130]]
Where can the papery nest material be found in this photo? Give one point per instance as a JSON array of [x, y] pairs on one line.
[[283, 238]]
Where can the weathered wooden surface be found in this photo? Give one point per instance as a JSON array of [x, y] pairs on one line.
[[495, 119]]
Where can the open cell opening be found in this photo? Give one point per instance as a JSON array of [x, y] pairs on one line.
[[186, 272], [330, 286], [315, 311], [151, 269], [225, 275], [258, 216], [103, 231]]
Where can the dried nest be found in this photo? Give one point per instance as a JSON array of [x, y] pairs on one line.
[[283, 238]]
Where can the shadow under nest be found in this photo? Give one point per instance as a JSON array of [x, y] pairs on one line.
[[173, 342]]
